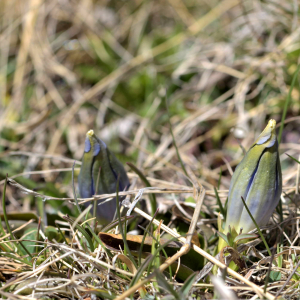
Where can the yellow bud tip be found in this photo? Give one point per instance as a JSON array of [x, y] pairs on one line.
[[268, 136], [90, 133], [272, 124], [270, 128]]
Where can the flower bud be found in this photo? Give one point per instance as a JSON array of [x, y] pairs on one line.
[[97, 158], [258, 180]]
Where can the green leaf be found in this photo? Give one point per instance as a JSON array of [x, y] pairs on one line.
[[245, 236], [30, 235], [52, 233], [274, 276], [223, 236], [230, 239], [165, 285], [103, 294], [189, 200], [185, 289]]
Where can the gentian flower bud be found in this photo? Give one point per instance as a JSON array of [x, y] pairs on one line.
[[97, 158], [258, 180]]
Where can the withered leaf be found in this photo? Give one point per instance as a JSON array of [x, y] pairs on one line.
[[115, 242]]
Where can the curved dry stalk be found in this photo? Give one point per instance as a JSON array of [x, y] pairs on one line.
[[254, 287]]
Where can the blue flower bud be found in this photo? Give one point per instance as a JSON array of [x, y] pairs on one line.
[[258, 180], [97, 158]]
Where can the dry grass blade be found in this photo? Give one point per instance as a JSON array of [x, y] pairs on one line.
[[255, 288], [137, 61], [67, 67]]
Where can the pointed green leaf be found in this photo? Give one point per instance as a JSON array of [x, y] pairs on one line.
[[165, 285], [223, 236], [245, 236], [188, 285]]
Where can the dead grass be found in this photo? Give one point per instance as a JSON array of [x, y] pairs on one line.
[[225, 68]]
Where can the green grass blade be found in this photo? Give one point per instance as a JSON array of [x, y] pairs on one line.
[[63, 236], [220, 177], [83, 232], [74, 191], [147, 183], [293, 158], [158, 250], [140, 270], [166, 285], [222, 210], [115, 223], [10, 255], [144, 237], [185, 289], [121, 226], [97, 239], [19, 243], [155, 253], [2, 231]]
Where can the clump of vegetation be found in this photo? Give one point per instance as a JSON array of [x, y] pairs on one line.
[[176, 90]]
